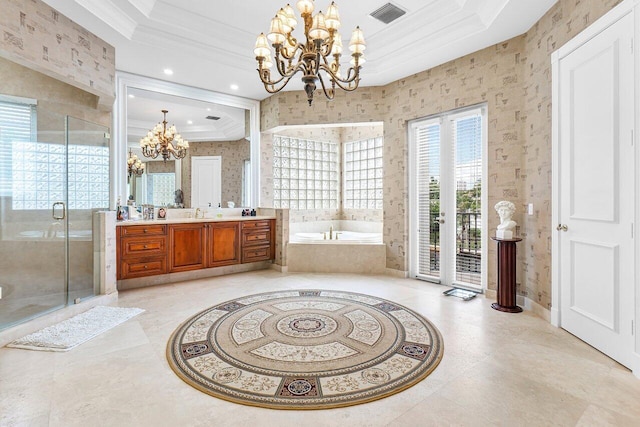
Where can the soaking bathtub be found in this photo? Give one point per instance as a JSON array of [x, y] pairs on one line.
[[352, 252]]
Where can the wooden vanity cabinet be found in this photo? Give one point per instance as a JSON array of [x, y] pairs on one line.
[[258, 240], [186, 247], [223, 243], [141, 251], [146, 250]]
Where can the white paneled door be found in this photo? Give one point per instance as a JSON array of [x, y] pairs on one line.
[[595, 190], [206, 181]]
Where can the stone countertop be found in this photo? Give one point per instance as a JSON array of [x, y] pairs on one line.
[[193, 220]]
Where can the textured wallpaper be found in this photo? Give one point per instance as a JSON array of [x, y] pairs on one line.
[[513, 78], [36, 35]]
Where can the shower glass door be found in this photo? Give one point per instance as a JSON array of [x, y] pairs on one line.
[[32, 210], [88, 192], [54, 175]]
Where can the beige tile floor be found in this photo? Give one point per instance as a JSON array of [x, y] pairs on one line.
[[498, 368]]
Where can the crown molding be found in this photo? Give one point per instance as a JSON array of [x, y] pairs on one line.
[[112, 15]]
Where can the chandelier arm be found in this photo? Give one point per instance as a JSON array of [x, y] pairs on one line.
[[271, 86], [329, 93], [342, 83], [294, 52], [266, 80]]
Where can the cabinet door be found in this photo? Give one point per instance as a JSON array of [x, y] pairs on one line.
[[186, 247], [224, 243]]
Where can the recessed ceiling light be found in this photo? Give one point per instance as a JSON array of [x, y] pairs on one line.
[[208, 109], [168, 71], [131, 95], [189, 122], [234, 87]]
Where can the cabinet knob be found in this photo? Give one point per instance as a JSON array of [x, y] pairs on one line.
[[146, 266], [145, 246]]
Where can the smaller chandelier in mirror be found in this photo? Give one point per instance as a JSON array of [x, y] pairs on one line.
[[317, 56], [135, 167], [164, 141]]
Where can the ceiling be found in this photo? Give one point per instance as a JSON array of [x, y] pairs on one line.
[[144, 110], [209, 44]]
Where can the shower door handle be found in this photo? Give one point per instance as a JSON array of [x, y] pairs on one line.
[[53, 210]]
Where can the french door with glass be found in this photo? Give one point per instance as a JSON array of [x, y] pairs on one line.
[[447, 198]]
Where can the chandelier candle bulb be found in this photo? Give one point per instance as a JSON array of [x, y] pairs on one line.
[[319, 29], [357, 43], [332, 18], [276, 33], [262, 46], [305, 6], [317, 57], [291, 17]]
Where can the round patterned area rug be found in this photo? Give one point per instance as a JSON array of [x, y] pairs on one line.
[[306, 349]]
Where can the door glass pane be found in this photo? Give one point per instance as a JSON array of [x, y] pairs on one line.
[[467, 139], [32, 180], [428, 142], [88, 177]]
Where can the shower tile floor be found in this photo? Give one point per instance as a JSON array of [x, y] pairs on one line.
[[498, 368]]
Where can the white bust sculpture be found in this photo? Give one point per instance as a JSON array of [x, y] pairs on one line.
[[506, 228]]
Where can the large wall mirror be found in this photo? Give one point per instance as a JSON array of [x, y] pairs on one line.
[[217, 126]]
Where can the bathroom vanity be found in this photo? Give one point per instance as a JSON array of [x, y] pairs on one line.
[[161, 247]]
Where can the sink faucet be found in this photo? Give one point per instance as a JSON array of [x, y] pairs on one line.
[[198, 212], [331, 232]]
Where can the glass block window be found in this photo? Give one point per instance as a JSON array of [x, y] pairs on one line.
[[305, 174], [39, 179], [363, 174], [160, 188]]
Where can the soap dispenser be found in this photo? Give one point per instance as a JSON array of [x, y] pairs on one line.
[[219, 211]]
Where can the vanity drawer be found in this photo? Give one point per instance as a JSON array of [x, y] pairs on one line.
[[143, 246], [258, 253], [256, 237], [247, 225], [141, 267], [142, 230]]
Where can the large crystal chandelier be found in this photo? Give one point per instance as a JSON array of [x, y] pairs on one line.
[[318, 54], [164, 141], [135, 167]]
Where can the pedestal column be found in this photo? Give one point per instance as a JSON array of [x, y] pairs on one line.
[[506, 276]]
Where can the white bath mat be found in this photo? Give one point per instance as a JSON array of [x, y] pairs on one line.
[[72, 332]]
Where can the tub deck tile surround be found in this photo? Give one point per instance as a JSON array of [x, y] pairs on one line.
[[342, 257], [331, 256]]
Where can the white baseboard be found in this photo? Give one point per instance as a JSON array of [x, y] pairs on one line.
[[524, 302], [636, 365], [396, 273], [555, 317], [280, 268]]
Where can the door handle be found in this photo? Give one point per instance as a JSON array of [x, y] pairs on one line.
[[53, 210], [441, 220], [562, 227]]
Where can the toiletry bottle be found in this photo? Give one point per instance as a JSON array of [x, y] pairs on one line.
[[253, 212], [219, 211]]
